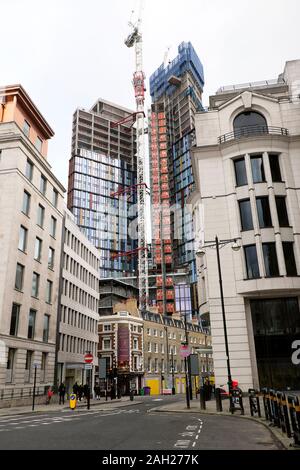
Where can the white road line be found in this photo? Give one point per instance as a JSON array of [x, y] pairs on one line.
[[194, 443], [8, 419]]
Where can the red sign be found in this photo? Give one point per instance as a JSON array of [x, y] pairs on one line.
[[185, 350], [88, 358]]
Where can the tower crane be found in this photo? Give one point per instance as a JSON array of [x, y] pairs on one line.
[[135, 40]]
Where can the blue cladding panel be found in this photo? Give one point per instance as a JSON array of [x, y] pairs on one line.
[[187, 60]]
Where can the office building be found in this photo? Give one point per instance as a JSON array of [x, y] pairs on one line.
[[30, 240], [176, 93], [247, 169], [78, 306], [102, 173]]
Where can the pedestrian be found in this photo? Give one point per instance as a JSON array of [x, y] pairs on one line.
[[62, 392], [49, 395], [97, 391], [76, 389], [86, 391], [80, 392], [112, 393]]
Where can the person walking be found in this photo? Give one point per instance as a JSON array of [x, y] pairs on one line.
[[76, 389], [80, 392], [86, 391], [62, 392], [50, 393]]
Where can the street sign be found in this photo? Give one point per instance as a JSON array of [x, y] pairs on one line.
[[36, 364], [88, 366], [102, 368], [185, 350], [88, 358], [194, 358]]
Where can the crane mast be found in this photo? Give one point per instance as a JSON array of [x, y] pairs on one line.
[[135, 39]]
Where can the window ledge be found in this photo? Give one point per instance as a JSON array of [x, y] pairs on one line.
[[19, 290], [24, 213]]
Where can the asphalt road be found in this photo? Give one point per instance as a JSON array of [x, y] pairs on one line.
[[132, 428]]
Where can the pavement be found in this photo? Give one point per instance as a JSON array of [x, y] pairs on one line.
[[54, 407]]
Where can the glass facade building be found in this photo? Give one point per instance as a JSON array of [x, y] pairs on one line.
[[176, 92], [102, 165]]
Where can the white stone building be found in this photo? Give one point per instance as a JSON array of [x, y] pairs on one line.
[[78, 309], [31, 201], [246, 164]]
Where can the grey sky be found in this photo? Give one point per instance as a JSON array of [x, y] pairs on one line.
[[68, 53]]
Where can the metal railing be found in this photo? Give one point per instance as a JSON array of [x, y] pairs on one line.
[[19, 393], [250, 131]]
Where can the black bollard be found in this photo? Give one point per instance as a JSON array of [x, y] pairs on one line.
[[202, 399], [218, 400]]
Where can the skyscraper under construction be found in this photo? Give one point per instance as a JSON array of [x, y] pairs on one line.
[[103, 165], [176, 93]]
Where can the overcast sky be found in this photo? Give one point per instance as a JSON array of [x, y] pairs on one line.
[[68, 53]]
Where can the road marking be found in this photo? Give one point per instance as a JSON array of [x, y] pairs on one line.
[[8, 419], [182, 444], [187, 434], [194, 443], [191, 428]]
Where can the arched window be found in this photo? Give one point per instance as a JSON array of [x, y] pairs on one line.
[[250, 123]]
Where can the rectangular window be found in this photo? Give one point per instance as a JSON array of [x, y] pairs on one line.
[[53, 227], [38, 249], [107, 327], [31, 324], [251, 262], [14, 321], [54, 197], [240, 172], [35, 285], [10, 359], [19, 277], [43, 185], [46, 328], [258, 172], [270, 257], [26, 203], [49, 291], [246, 214], [106, 344], [51, 255], [289, 256], [22, 239], [26, 128], [282, 211], [29, 170], [263, 211], [275, 168], [40, 215], [38, 143], [28, 363]]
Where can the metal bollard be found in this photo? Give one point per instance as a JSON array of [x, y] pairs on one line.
[[294, 412], [202, 399], [218, 400]]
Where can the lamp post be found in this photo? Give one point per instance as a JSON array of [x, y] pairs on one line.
[[173, 378], [200, 253]]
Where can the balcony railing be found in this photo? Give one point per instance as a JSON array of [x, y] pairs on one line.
[[250, 131]]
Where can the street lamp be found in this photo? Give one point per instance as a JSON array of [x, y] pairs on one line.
[[173, 378], [200, 253]]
